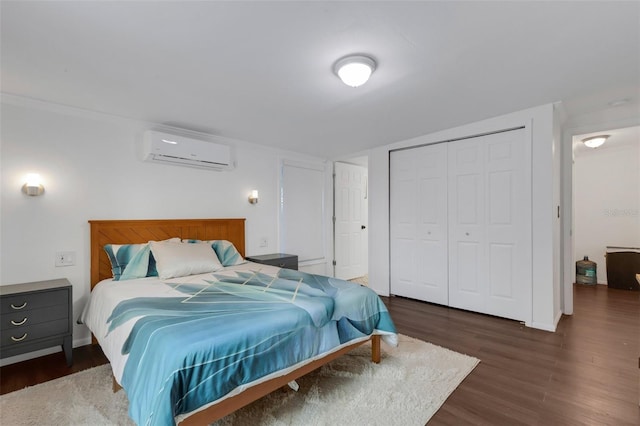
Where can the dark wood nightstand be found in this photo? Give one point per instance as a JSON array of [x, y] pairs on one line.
[[35, 316], [281, 260]]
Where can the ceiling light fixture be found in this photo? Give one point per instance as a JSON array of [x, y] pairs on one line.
[[595, 141], [354, 70]]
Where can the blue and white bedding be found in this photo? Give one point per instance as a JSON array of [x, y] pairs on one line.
[[179, 345]]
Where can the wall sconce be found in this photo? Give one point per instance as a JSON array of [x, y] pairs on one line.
[[33, 185], [253, 197]]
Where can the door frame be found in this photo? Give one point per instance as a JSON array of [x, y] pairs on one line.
[[568, 212]]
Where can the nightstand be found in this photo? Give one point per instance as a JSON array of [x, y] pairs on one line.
[[281, 260], [35, 316]]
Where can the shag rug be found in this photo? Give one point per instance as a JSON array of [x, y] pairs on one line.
[[364, 280], [409, 385]]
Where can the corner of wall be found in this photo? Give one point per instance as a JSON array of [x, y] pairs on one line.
[[379, 220]]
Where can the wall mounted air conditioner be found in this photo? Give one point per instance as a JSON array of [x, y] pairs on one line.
[[160, 147]]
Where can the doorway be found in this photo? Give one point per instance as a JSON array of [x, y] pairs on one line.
[[606, 195]]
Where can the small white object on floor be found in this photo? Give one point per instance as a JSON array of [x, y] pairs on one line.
[[294, 385]]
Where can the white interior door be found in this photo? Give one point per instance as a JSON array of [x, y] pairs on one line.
[[467, 257], [351, 233], [508, 225], [418, 223], [490, 225]]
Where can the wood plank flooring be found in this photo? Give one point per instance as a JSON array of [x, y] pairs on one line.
[[38, 370], [584, 374]]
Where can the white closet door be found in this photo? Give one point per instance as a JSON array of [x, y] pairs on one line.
[[467, 257], [418, 223], [508, 225], [490, 225]]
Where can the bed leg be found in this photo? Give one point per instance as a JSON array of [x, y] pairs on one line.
[[116, 385], [375, 349]]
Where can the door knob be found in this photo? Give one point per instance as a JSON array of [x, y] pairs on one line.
[[363, 227]]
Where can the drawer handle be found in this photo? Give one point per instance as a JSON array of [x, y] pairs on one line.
[[19, 323], [19, 307], [282, 265], [19, 339]]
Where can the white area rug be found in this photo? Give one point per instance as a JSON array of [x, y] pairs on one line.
[[406, 388]]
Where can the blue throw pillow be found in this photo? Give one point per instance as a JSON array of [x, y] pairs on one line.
[[128, 261], [225, 250]]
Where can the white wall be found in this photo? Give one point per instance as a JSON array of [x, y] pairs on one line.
[[91, 169], [606, 201], [545, 195]]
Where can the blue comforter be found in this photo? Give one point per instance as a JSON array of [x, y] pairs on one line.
[[228, 331]]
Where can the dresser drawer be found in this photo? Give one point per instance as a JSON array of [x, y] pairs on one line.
[[14, 320], [289, 263], [26, 334], [30, 301]]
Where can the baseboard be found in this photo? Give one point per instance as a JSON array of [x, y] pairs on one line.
[[543, 326], [556, 321]]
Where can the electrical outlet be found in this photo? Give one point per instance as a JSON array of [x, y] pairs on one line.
[[65, 258], [264, 242]]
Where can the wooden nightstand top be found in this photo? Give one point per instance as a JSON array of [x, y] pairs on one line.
[[270, 256]]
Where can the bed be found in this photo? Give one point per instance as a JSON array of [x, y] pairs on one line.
[[223, 339]]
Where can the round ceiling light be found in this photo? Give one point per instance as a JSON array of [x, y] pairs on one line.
[[595, 141], [354, 70]]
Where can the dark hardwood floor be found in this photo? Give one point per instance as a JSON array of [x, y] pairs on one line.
[[584, 374], [28, 373]]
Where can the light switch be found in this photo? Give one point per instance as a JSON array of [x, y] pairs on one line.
[[65, 258]]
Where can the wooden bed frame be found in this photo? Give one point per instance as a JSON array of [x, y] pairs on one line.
[[141, 231]]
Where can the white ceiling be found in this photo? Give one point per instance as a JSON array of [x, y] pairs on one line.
[[262, 71]]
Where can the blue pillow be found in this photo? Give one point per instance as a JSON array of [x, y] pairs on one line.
[[227, 253], [129, 261], [225, 250]]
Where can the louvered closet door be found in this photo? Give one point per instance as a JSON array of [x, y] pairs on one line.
[[490, 224], [418, 223]]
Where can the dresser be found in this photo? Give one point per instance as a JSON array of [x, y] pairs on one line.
[[36, 315], [281, 260]]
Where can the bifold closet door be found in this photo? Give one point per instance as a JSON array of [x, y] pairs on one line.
[[490, 224], [418, 223]]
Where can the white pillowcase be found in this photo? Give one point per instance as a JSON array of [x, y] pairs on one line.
[[176, 259]]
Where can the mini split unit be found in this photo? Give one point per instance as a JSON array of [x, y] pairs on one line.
[[160, 147]]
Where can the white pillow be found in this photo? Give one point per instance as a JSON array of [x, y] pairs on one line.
[[176, 259]]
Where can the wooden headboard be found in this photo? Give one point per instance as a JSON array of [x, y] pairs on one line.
[[141, 231]]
